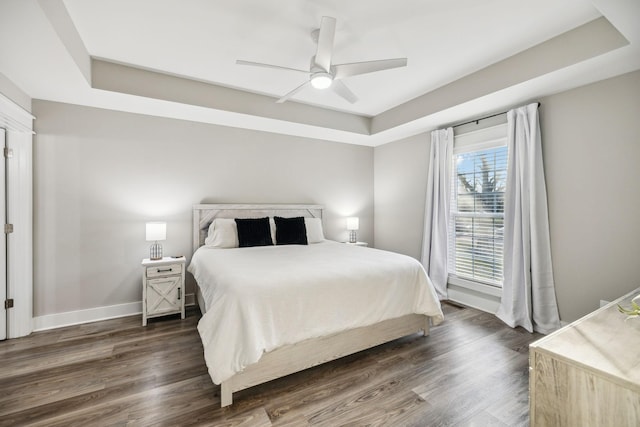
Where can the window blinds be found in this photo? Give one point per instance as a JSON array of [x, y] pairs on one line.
[[476, 234]]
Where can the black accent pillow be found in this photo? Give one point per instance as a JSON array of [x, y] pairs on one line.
[[290, 231], [253, 232]]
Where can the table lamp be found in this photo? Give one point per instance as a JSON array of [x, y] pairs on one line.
[[353, 225], [156, 231]]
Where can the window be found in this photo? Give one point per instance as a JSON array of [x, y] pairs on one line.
[[476, 235]]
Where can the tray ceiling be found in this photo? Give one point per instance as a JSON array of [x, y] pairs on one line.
[[177, 58]]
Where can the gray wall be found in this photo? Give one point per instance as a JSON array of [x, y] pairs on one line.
[[99, 175], [592, 161], [400, 183], [591, 148]]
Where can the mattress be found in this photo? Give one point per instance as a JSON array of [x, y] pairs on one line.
[[260, 298]]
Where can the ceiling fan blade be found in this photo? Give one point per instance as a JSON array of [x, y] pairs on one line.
[[277, 67], [293, 92], [342, 90], [356, 68], [325, 42]]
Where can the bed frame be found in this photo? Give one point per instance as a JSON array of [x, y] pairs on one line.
[[305, 354]]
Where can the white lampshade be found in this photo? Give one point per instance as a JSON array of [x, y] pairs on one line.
[[353, 223], [156, 231]]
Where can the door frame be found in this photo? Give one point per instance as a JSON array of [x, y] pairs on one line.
[[18, 124], [3, 240]]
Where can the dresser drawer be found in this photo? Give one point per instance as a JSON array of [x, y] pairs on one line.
[[164, 270]]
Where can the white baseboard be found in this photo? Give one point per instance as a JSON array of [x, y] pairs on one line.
[[59, 320], [470, 298]]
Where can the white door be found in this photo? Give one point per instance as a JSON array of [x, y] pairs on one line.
[[3, 240]]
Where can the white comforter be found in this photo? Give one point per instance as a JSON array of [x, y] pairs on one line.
[[262, 298]]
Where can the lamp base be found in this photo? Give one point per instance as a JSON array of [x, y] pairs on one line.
[[352, 236], [155, 251]]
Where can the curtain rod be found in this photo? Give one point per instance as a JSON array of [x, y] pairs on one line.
[[482, 118]]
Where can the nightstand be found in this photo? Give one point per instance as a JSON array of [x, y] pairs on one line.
[[357, 243], [162, 287]]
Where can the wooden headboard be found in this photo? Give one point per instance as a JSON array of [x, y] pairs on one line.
[[203, 215]]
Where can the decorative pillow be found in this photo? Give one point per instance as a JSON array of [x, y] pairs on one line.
[[253, 232], [223, 233], [290, 231], [314, 230]]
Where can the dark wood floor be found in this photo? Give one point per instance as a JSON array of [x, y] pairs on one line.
[[470, 371]]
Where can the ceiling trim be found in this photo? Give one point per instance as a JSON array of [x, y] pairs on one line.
[[152, 84], [210, 103], [57, 14], [584, 42]]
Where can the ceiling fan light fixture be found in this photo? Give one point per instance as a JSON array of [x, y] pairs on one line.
[[321, 80], [323, 73]]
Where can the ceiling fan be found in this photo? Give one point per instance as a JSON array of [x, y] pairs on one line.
[[322, 73]]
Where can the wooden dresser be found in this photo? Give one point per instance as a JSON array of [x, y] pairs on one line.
[[588, 373]]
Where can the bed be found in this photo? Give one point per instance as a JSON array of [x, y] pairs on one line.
[[269, 311]]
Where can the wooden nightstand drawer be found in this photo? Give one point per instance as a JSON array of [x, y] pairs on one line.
[[164, 270]]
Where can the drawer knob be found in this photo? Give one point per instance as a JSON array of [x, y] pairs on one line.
[[166, 270]]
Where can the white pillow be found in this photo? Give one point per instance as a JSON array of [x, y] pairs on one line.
[[223, 233], [314, 230]]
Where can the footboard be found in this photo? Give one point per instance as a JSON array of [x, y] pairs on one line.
[[297, 357]]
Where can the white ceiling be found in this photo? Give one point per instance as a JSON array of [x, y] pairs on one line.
[[46, 55]]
